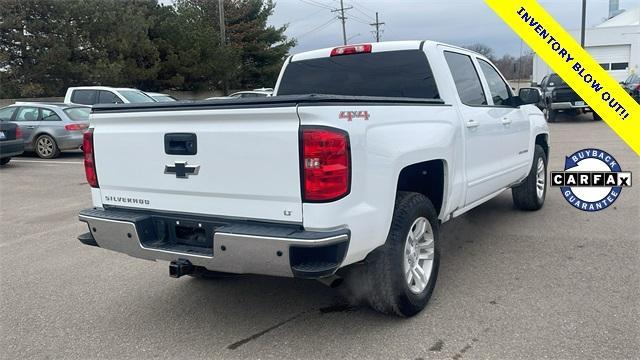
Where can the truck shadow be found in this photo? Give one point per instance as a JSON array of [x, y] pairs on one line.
[[246, 308]]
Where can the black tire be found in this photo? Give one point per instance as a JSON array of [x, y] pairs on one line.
[[4, 161], [50, 151], [388, 290], [596, 117], [550, 114], [525, 195], [203, 273]]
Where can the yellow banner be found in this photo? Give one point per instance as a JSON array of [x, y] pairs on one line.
[[576, 67]]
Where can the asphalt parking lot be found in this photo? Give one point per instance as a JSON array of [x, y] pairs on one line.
[[558, 283]]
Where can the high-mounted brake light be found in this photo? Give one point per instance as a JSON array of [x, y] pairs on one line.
[[75, 127], [325, 164], [351, 49], [18, 132], [89, 159]]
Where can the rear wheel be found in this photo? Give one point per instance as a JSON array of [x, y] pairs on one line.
[[402, 274], [531, 193], [5, 161], [46, 147]]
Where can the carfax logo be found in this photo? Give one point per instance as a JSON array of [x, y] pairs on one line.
[[592, 179]]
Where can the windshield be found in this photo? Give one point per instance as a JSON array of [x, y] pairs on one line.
[[403, 73], [556, 80], [78, 113], [134, 96]]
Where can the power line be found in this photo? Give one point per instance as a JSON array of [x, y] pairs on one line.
[[315, 3], [317, 28]]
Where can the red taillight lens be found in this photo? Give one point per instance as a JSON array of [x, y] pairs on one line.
[[351, 49], [89, 159], [325, 164], [18, 132], [75, 127]]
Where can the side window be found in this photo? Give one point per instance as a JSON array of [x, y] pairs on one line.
[[466, 78], [26, 113], [498, 88], [107, 97], [50, 115], [6, 113], [86, 97]]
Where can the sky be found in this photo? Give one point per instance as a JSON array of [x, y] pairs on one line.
[[457, 22]]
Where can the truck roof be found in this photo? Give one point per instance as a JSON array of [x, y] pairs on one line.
[[100, 88], [377, 47]]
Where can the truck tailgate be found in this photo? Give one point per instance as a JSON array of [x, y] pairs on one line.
[[248, 162]]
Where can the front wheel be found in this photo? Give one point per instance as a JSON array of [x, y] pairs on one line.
[[596, 117], [5, 161], [531, 193], [550, 114], [402, 274]]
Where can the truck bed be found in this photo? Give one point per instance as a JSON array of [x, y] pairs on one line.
[[264, 102]]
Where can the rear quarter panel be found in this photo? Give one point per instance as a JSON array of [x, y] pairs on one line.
[[392, 138]]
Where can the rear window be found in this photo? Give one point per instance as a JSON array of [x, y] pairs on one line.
[[136, 96], [87, 97], [403, 73], [78, 113]]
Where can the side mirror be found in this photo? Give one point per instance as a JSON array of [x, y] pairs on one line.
[[529, 96]]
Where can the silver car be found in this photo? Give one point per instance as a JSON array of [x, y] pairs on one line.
[[48, 129]]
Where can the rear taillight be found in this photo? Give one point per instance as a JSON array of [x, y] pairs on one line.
[[18, 132], [75, 127], [325, 164], [351, 49], [89, 159]]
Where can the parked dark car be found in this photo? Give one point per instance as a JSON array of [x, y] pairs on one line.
[[557, 97], [49, 128], [11, 143], [632, 86]]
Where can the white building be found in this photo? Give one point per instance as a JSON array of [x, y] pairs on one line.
[[615, 44]]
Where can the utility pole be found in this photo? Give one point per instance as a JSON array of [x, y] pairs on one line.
[[223, 40], [343, 18], [377, 25], [584, 21]]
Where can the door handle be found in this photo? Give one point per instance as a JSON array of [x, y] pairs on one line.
[[506, 121], [30, 127], [472, 124]]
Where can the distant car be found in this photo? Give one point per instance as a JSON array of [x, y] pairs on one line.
[[91, 95], [244, 94], [161, 97], [632, 86], [48, 128], [11, 143], [557, 97]]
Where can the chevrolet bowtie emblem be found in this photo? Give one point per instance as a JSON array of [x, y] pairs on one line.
[[181, 169]]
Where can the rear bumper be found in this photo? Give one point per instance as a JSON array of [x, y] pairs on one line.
[[226, 245], [567, 106], [70, 142], [11, 148]]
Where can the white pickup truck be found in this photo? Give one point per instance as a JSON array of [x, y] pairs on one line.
[[360, 155]]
